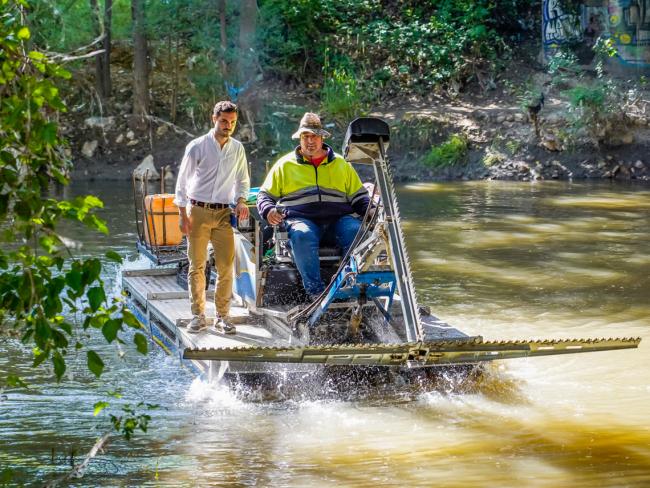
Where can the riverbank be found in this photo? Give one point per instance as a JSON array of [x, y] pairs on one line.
[[498, 137]]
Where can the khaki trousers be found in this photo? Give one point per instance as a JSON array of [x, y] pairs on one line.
[[210, 226]]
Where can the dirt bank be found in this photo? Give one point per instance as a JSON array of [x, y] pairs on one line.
[[501, 140]]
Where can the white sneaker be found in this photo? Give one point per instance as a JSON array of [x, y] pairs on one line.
[[223, 325], [197, 324]]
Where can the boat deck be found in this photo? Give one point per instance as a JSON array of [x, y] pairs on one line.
[[162, 305]]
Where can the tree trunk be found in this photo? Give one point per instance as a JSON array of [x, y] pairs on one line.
[[107, 86], [224, 38], [103, 60], [140, 63], [175, 82], [247, 53], [99, 60]]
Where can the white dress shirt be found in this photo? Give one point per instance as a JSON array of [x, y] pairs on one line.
[[212, 174]]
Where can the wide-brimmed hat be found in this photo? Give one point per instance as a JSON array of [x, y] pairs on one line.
[[310, 122]]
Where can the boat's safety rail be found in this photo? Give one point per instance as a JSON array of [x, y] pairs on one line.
[[414, 354]]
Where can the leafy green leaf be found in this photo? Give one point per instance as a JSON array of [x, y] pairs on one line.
[[23, 34], [59, 339], [91, 201], [95, 321], [140, 341], [95, 363], [73, 279], [66, 327], [96, 297], [43, 329], [96, 223], [14, 381], [130, 320], [62, 73], [91, 270], [113, 256], [111, 328], [59, 365], [98, 407], [49, 133], [39, 356], [36, 55], [23, 210]]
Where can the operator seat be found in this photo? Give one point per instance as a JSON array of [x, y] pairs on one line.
[[282, 248]]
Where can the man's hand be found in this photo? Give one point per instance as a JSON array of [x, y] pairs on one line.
[[241, 211], [185, 224], [274, 217]]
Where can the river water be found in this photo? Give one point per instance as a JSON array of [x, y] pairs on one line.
[[501, 259]]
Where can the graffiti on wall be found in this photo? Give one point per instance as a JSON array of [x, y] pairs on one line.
[[558, 26], [627, 22], [629, 25]]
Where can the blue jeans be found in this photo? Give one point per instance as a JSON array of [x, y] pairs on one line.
[[305, 237]]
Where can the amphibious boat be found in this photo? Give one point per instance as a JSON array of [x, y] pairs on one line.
[[368, 315]]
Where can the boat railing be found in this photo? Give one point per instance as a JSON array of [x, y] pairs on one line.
[[159, 238]]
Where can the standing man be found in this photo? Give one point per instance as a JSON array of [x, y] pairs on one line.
[[213, 174], [315, 191]]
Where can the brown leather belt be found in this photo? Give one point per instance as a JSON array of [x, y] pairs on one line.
[[211, 206]]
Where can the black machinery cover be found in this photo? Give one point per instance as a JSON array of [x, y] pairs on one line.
[[364, 132]]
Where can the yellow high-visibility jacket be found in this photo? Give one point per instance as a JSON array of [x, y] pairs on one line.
[[297, 188]]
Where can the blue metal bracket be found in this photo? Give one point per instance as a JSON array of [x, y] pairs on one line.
[[352, 284]]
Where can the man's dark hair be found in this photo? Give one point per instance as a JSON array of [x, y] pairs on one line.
[[224, 106]]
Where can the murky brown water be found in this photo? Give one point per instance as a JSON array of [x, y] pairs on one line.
[[503, 260]]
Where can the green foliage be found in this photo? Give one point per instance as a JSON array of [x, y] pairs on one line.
[[417, 132], [206, 84], [513, 146], [492, 157], [587, 98], [41, 282], [563, 67], [65, 26], [527, 95], [287, 39], [131, 418], [500, 149], [596, 105], [449, 153], [388, 46], [416, 45], [340, 96]]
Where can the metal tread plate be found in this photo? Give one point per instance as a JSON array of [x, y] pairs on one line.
[[431, 353]]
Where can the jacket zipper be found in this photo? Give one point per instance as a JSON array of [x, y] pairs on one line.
[[320, 199]]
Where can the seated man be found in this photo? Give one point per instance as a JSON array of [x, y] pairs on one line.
[[314, 191]]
